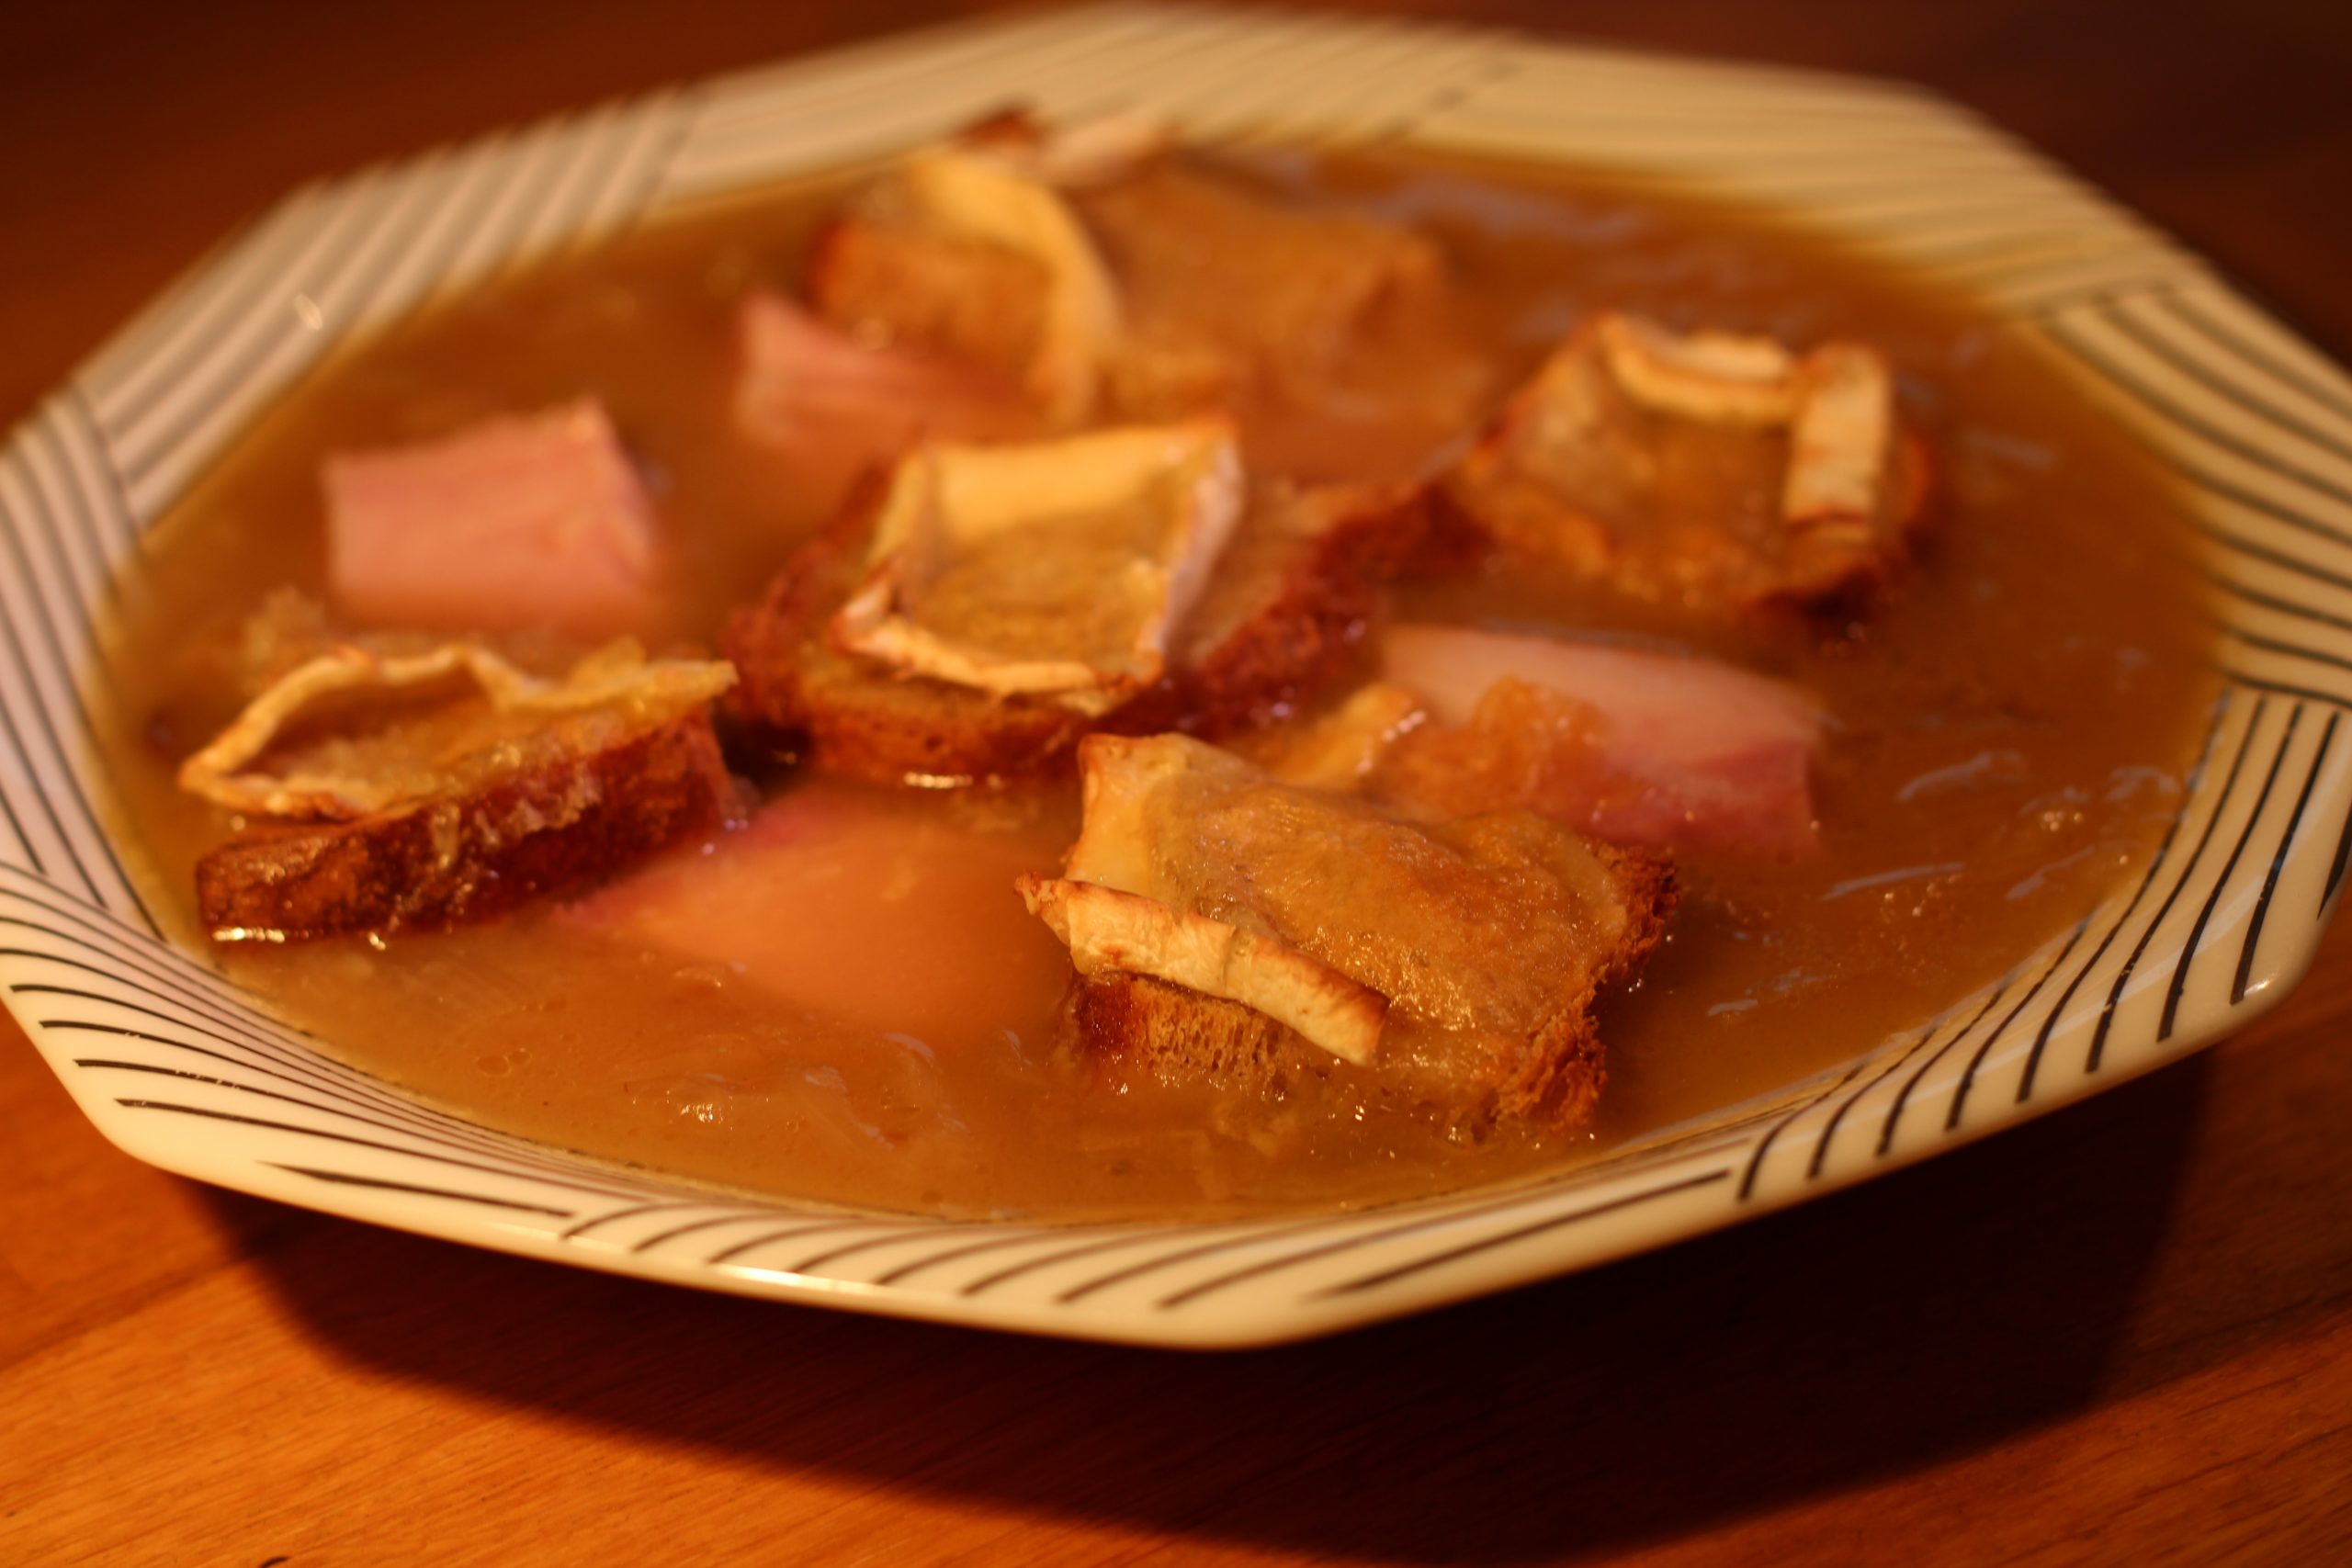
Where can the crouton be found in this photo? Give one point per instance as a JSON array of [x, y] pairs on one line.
[[356, 731], [1131, 1030], [1067, 157], [562, 825], [1283, 615], [1277, 293], [1451, 964], [1135, 1029], [420, 789], [1111, 931], [801, 693], [1111, 278], [968, 250], [1053, 570], [953, 299], [1278, 619], [1711, 470]]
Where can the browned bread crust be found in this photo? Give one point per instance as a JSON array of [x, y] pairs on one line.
[[551, 828], [796, 692], [1283, 617], [1472, 517], [1134, 1029], [1690, 544], [964, 299], [1280, 621]]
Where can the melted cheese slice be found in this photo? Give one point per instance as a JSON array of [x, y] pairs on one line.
[[1112, 906], [1124, 932], [1353, 923], [1057, 570], [1717, 378], [1837, 403], [354, 732]]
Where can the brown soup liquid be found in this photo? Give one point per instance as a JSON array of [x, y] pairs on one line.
[[859, 1009]]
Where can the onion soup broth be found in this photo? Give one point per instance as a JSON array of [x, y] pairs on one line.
[[875, 1019]]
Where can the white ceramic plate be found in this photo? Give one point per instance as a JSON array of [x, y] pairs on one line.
[[180, 1069]]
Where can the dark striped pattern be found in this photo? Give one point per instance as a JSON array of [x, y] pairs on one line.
[[172, 1062]]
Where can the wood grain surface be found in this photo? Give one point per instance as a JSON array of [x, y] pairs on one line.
[[2121, 1335]]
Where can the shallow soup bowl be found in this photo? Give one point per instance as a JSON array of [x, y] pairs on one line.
[[180, 1068]]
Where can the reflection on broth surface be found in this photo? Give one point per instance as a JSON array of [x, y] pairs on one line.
[[843, 998]]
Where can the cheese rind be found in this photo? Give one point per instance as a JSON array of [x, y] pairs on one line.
[[1107, 929], [1717, 378], [1842, 437]]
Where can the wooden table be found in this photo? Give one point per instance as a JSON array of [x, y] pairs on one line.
[[2121, 1334]]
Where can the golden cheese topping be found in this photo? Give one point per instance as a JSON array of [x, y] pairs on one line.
[[1117, 911], [1056, 569], [1836, 404], [1324, 910], [1717, 378], [353, 732]]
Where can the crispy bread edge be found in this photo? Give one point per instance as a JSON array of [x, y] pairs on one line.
[[795, 692], [552, 828], [1557, 1076], [1130, 1025], [1457, 537]]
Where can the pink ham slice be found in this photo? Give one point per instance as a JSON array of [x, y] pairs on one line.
[[1675, 752], [867, 909], [832, 406], [515, 522]]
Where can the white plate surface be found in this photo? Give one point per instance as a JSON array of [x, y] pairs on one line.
[[180, 1069]]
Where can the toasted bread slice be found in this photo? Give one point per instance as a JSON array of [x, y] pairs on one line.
[[798, 691], [1715, 473], [1207, 902], [553, 828], [1132, 1029], [1279, 618], [970, 250], [1283, 615], [1274, 291], [1115, 279]]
